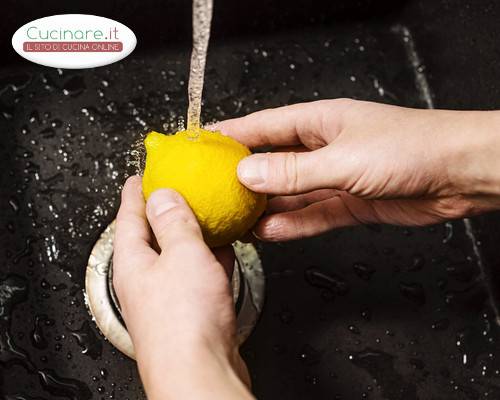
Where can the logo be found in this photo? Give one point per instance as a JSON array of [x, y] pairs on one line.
[[74, 41]]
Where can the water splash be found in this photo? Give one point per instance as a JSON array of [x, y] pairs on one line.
[[137, 156]]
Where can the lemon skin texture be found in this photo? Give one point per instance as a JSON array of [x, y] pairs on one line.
[[201, 166]]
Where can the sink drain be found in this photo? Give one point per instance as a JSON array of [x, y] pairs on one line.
[[247, 282]]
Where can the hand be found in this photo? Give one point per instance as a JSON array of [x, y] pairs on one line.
[[343, 162], [176, 300]]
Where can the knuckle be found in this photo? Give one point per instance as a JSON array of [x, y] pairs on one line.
[[272, 229], [299, 226], [176, 215], [277, 228], [179, 220], [186, 250], [454, 208], [291, 172]]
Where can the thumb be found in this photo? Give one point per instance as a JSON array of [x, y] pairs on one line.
[[172, 221], [286, 173]]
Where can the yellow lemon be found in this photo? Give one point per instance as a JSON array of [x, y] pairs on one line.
[[202, 167]]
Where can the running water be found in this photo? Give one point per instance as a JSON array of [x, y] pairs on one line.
[[202, 16]]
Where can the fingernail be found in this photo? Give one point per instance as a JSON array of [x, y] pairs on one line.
[[253, 170], [256, 235], [133, 181], [161, 201]]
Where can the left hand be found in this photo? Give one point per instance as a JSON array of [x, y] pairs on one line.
[[176, 300]]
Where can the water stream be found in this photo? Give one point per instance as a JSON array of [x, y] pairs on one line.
[[202, 16]]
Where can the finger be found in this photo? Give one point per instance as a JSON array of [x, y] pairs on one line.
[[295, 149], [283, 126], [132, 233], [310, 221], [225, 256], [280, 204], [288, 173], [131, 244], [172, 221]]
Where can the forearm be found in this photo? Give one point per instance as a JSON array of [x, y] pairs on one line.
[[200, 374]]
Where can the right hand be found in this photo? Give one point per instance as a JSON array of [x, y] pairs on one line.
[[343, 162]]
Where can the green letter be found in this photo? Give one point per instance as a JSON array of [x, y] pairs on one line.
[[70, 34], [28, 32]]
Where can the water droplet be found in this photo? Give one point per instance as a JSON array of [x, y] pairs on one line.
[[34, 118], [417, 363], [104, 373], [64, 387], [441, 325], [13, 290], [312, 379], [381, 367], [15, 82], [366, 314], [413, 291], [309, 355], [279, 349], [286, 316], [37, 337], [47, 133], [462, 272], [49, 83], [363, 271], [417, 263], [56, 123], [14, 204], [88, 341], [354, 329], [448, 232], [331, 282], [74, 86]]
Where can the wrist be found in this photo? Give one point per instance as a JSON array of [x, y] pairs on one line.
[[473, 157], [194, 371]]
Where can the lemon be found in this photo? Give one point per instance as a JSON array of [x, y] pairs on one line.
[[202, 166]]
